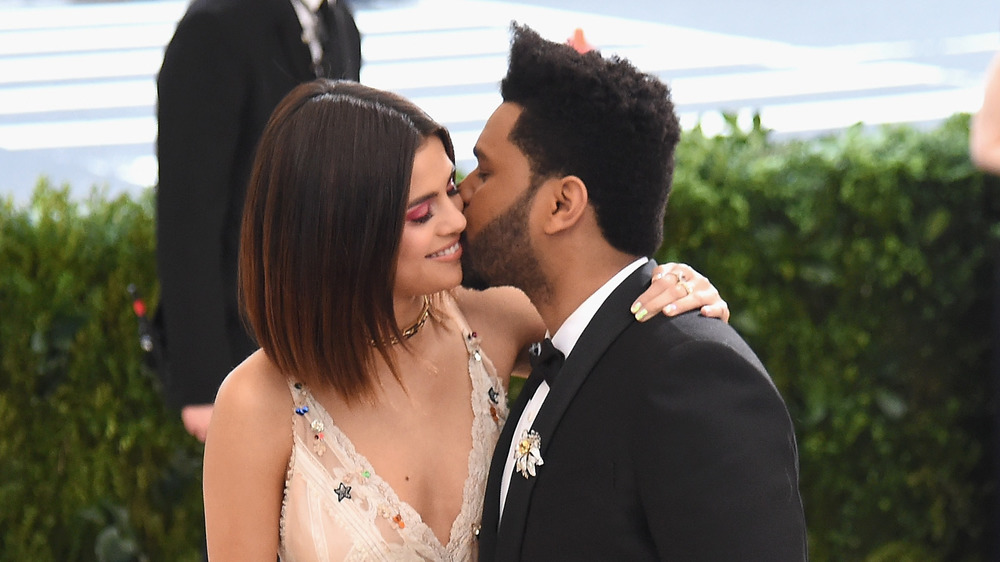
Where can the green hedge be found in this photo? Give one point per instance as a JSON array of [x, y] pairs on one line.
[[858, 265], [92, 465]]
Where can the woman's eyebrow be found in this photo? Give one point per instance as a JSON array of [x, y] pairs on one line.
[[420, 200]]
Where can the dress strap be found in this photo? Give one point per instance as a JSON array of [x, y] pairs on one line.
[[446, 305]]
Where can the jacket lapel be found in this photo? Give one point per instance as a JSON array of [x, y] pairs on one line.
[[609, 322], [491, 503], [341, 60], [294, 52]]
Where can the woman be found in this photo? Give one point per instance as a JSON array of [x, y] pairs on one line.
[[352, 221]]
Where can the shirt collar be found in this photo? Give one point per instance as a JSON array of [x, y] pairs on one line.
[[313, 5], [566, 336]]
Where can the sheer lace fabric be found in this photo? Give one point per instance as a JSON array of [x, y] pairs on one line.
[[336, 507]]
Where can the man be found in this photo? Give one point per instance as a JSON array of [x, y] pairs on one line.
[[226, 68], [663, 440]]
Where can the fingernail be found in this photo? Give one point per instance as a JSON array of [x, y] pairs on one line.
[[669, 308], [635, 307], [641, 314]]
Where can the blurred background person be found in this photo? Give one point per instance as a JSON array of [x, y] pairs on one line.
[[226, 68], [984, 135], [984, 148]]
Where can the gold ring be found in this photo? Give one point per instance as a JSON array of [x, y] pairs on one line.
[[663, 274], [687, 286]]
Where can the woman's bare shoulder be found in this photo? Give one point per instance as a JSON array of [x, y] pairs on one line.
[[508, 303], [506, 311], [256, 387]]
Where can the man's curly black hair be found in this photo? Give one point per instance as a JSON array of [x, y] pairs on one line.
[[601, 120]]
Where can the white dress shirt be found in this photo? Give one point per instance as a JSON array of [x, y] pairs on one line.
[[306, 10], [564, 340]]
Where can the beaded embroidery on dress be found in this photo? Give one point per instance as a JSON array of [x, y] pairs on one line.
[[336, 508]]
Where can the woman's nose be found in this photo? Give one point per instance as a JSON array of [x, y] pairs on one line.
[[455, 220], [467, 188]]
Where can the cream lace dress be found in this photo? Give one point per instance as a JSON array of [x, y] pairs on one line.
[[336, 507]]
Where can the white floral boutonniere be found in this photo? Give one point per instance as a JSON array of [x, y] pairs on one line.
[[528, 454]]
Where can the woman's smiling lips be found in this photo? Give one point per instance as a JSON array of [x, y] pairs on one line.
[[454, 251]]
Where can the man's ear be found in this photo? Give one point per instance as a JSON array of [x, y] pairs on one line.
[[567, 205]]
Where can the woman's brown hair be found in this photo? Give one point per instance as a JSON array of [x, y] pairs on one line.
[[321, 229]]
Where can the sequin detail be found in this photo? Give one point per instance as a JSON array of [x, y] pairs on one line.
[[343, 492], [370, 519], [316, 424]]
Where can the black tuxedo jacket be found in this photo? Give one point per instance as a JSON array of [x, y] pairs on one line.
[[663, 440], [226, 68]]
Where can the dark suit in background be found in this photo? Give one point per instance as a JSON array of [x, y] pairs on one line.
[[228, 65], [661, 441]]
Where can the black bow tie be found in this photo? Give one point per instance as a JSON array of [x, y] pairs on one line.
[[546, 360]]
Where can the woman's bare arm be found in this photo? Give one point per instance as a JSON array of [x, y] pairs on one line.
[[507, 323], [246, 459], [677, 288]]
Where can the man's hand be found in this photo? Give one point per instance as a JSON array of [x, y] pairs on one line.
[[196, 419]]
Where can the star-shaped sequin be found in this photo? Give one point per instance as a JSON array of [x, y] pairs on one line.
[[343, 491]]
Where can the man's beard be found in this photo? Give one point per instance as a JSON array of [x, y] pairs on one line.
[[502, 254]]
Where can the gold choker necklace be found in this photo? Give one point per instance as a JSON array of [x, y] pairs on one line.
[[408, 333]]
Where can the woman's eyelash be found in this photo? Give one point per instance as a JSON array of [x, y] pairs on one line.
[[420, 214]]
